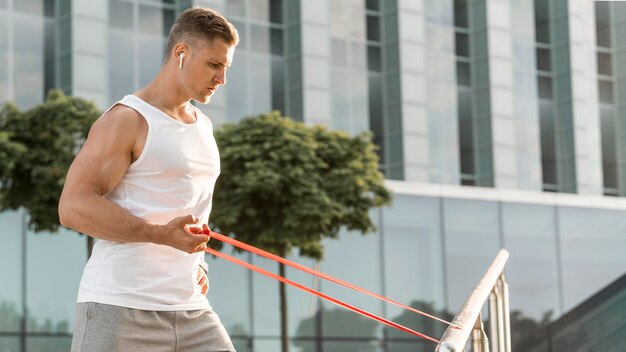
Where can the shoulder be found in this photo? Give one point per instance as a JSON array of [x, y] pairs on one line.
[[118, 125]]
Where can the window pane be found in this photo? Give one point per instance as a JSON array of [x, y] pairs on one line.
[[544, 87], [121, 14], [604, 64], [374, 58], [468, 222], [34, 7], [235, 8], [277, 41], [460, 13], [364, 254], [60, 276], [412, 239], [543, 59], [28, 54], [603, 23], [260, 38], [9, 344], [11, 257], [462, 44], [463, 74], [150, 20], [259, 10], [592, 250], [373, 28], [605, 91], [229, 291], [340, 52], [276, 11], [49, 344]]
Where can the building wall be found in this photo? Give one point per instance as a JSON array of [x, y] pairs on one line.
[[397, 68]]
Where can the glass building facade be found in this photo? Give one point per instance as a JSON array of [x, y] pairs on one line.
[[499, 122]]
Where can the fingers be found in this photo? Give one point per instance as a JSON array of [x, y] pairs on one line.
[[203, 281], [186, 220]]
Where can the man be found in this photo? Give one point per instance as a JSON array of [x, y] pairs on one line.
[[142, 184]]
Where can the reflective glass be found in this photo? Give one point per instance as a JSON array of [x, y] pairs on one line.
[[462, 44], [301, 306], [55, 267], [460, 13], [151, 54], [261, 80], [603, 23], [28, 46], [49, 343], [411, 346], [609, 151], [605, 91], [471, 243], [278, 84], [544, 87], [260, 40], [10, 344], [373, 28], [592, 250], [413, 262], [4, 51], [236, 8], [339, 52], [374, 58], [276, 11], [34, 7], [259, 10], [349, 346], [530, 237], [121, 14], [543, 59], [463, 74], [121, 69], [229, 293], [150, 20], [542, 21], [604, 64], [237, 88], [364, 270], [277, 41], [11, 274]]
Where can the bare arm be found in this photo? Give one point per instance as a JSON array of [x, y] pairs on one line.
[[97, 169]]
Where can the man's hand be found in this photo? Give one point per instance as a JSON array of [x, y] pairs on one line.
[[203, 281], [181, 233]]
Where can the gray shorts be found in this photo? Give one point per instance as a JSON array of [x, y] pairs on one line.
[[106, 328]]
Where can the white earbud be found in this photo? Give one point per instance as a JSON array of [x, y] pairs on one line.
[[180, 60]]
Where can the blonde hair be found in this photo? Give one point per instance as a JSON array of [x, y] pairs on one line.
[[201, 23]]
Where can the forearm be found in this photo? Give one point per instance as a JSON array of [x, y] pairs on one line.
[[98, 217]]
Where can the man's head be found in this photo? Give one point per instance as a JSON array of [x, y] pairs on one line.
[[201, 46]]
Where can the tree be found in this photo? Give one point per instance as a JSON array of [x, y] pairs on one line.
[[287, 186], [45, 140]]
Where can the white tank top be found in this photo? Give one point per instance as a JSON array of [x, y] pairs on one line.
[[174, 176]]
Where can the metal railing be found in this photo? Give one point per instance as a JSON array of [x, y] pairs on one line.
[[492, 286]]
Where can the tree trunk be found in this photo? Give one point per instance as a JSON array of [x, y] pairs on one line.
[[283, 304], [89, 246]]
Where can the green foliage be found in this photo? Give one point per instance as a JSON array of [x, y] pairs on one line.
[[43, 142], [285, 185]]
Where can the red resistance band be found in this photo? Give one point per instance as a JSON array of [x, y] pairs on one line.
[[271, 256]]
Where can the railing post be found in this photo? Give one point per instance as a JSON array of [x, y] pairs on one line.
[[480, 342], [455, 337], [504, 289], [494, 319]]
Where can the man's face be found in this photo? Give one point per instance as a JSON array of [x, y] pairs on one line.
[[206, 69]]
